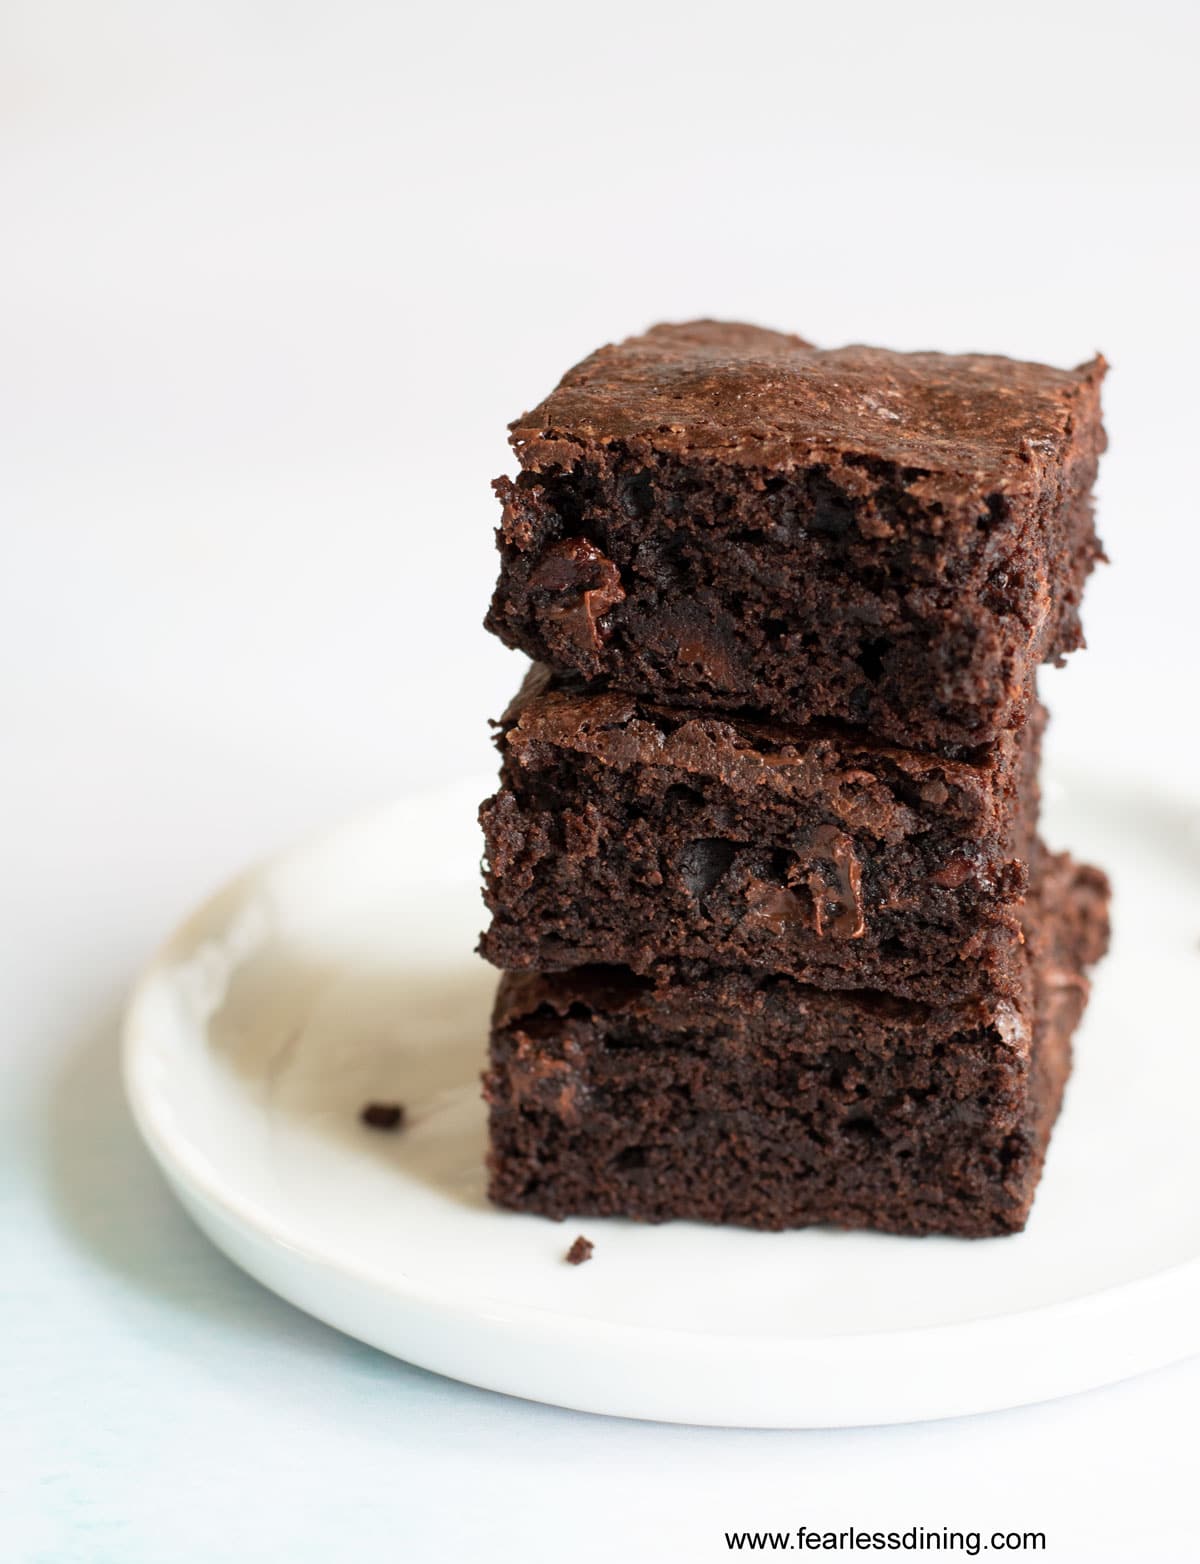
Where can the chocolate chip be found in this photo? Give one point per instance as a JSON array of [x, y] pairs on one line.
[[586, 585]]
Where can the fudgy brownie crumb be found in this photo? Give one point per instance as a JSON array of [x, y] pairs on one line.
[[739, 1096], [579, 1251], [630, 833], [727, 519], [383, 1115]]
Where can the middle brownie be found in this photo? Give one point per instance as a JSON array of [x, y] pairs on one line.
[[625, 832]]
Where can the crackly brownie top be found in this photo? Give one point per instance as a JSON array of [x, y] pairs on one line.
[[761, 398]]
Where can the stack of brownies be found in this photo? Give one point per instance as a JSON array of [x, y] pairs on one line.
[[781, 945]]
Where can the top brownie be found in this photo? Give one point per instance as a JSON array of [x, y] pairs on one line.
[[728, 518]]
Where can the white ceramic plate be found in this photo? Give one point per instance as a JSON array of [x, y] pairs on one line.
[[343, 973]]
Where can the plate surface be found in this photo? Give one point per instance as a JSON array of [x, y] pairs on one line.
[[342, 973]]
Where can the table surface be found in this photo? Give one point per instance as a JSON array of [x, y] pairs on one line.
[[284, 275]]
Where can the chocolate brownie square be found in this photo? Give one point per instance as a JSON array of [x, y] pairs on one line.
[[722, 517], [739, 1096], [630, 833]]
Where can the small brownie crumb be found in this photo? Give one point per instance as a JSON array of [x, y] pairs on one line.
[[383, 1115], [579, 1251]]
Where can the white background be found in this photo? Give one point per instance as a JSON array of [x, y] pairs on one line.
[[273, 278]]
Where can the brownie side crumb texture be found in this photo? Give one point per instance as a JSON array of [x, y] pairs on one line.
[[627, 833], [726, 518], [741, 1097]]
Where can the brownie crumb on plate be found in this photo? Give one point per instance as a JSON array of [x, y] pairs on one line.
[[579, 1251], [383, 1115]]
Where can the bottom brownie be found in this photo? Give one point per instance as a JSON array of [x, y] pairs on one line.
[[741, 1097]]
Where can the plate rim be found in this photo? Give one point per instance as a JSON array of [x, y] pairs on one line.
[[193, 1176]]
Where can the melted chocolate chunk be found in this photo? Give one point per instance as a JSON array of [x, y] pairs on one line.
[[583, 587]]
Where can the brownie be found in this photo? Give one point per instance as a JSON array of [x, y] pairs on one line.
[[627, 832], [726, 518], [738, 1096]]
